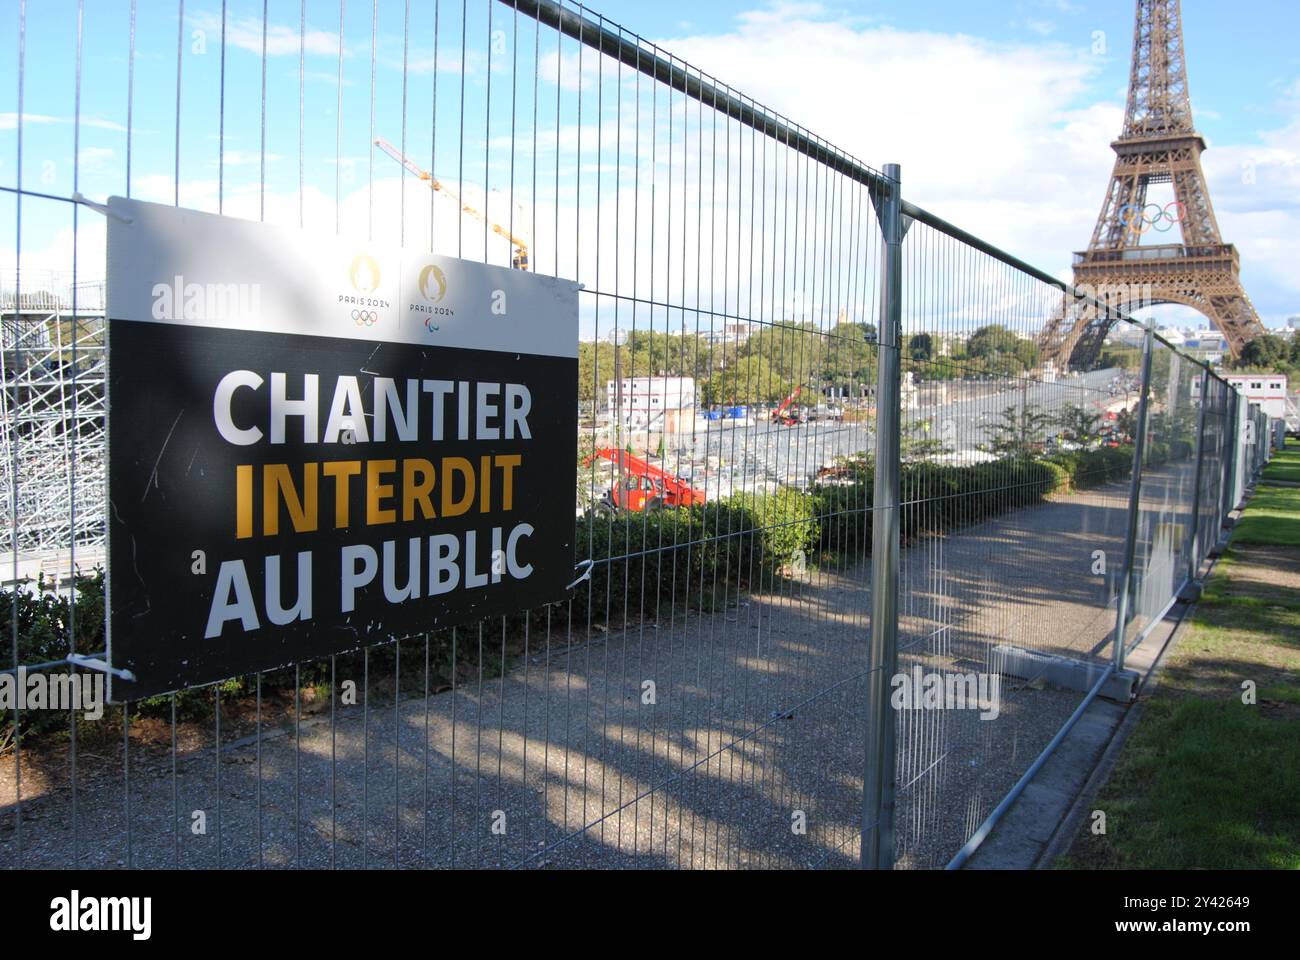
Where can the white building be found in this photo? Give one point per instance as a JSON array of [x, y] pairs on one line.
[[736, 333], [1266, 389], [1128, 333], [664, 404], [1207, 340]]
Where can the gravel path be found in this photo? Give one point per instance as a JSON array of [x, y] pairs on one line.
[[754, 731]]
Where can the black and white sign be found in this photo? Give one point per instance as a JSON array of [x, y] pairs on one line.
[[315, 445]]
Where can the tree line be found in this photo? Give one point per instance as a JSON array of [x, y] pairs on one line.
[[767, 366]]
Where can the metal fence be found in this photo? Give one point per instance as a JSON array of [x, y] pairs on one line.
[[896, 488]]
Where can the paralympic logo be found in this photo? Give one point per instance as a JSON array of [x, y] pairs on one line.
[[433, 287], [1141, 218]]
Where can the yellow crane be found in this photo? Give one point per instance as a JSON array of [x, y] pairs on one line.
[[519, 259]]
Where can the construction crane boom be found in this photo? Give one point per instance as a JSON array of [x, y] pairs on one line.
[[519, 260], [780, 416]]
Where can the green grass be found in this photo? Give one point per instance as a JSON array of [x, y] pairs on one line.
[[1285, 465], [1272, 518], [1203, 785], [1207, 781]]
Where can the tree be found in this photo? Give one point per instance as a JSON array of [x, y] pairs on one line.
[[1267, 350], [848, 360], [744, 381], [990, 341], [918, 441], [921, 347], [1017, 430], [1078, 424], [1000, 351], [1120, 357], [1126, 424]]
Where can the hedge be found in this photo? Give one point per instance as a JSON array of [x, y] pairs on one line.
[[938, 497], [1094, 468], [43, 619], [645, 565], [695, 555]]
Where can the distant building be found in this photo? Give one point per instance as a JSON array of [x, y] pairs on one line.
[[1206, 340], [729, 333], [950, 344], [1129, 333], [1266, 389], [658, 404]]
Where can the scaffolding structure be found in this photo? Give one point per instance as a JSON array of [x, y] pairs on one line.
[[52, 426]]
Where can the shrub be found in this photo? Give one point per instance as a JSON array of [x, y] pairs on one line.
[[648, 562], [790, 525], [1093, 468], [843, 513], [44, 619], [645, 565]]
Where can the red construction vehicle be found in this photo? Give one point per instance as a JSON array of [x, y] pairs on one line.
[[782, 413], [644, 487]]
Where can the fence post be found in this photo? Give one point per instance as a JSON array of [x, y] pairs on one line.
[[1134, 502], [1229, 455], [878, 781], [1193, 533], [1238, 451], [1261, 444]]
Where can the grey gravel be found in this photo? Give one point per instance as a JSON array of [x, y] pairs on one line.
[[757, 721]]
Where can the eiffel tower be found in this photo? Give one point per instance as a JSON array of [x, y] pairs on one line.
[[1159, 145]]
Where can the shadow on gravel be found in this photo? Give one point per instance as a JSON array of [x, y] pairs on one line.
[[731, 739]]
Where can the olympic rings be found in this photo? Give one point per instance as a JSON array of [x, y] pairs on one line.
[[365, 318], [1152, 216]]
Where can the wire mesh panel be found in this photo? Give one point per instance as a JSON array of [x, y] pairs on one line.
[[1214, 451], [1166, 489], [1259, 440], [685, 706], [1013, 476], [701, 696]]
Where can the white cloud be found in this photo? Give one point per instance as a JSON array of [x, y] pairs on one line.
[[1003, 140], [246, 158], [984, 131], [1256, 192], [1041, 27], [281, 39], [998, 138], [9, 121], [450, 63], [95, 159]]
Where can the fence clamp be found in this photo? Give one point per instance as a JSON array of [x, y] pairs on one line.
[[94, 663], [78, 197], [585, 566]]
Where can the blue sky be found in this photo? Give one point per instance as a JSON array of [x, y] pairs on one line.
[[1241, 64], [1001, 112]]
